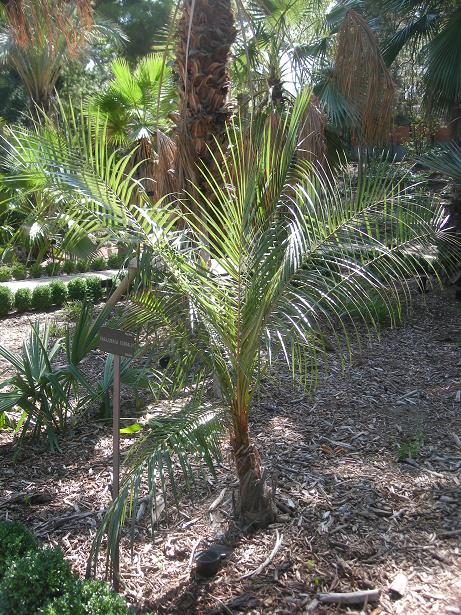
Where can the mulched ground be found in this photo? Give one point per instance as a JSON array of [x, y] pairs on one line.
[[351, 516]]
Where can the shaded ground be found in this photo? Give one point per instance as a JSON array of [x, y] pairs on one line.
[[352, 517]]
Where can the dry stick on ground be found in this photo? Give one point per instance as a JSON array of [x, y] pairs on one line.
[[266, 562], [369, 595]]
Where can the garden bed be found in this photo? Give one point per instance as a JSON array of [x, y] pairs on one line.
[[352, 516]]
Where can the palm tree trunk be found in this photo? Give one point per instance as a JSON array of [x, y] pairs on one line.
[[205, 34], [256, 507]]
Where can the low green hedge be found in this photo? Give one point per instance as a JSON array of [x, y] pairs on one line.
[[19, 272], [40, 581], [5, 274], [6, 300], [41, 297], [77, 289], [23, 299], [55, 293], [35, 270]]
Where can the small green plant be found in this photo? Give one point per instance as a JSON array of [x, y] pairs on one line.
[[410, 448], [23, 299], [115, 261], [77, 289], [36, 270], [94, 289], [5, 274], [6, 300], [82, 266], [58, 292], [69, 267], [85, 597], [53, 269], [42, 297], [33, 580], [15, 542], [19, 272], [98, 264], [72, 310]]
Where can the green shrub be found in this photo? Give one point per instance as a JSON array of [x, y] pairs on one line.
[[6, 300], [36, 270], [15, 541], [69, 267], [94, 289], [5, 274], [33, 580], [72, 310], [23, 299], [58, 292], [86, 597], [82, 266], [98, 264], [19, 272], [115, 261], [53, 269], [41, 297], [77, 289]]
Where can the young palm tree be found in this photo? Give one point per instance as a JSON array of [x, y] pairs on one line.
[[281, 258]]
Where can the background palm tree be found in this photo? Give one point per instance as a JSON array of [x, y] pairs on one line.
[[38, 37], [205, 34]]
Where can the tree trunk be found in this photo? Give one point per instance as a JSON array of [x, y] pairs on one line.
[[255, 507], [205, 34]]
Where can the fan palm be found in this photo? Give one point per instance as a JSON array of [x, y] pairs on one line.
[[135, 106], [434, 27], [276, 259]]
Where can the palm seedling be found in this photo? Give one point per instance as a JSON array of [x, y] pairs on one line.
[[270, 261]]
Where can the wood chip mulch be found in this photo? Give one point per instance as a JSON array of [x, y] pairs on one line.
[[352, 517]]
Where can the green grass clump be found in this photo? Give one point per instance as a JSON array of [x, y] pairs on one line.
[[69, 267], [82, 266], [6, 300], [33, 580], [5, 274], [15, 542], [19, 272], [23, 299], [41, 297], [98, 264], [77, 289], [93, 289], [53, 269], [115, 261], [36, 270]]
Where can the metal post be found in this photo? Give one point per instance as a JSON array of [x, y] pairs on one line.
[[116, 462]]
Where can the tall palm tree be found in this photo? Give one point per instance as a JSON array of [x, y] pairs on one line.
[[292, 259], [38, 37], [204, 37]]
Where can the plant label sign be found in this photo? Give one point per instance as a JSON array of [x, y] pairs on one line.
[[116, 342]]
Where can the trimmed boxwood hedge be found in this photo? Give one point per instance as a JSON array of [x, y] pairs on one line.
[[23, 299], [77, 289], [58, 292], [19, 272], [41, 297], [5, 274], [6, 300]]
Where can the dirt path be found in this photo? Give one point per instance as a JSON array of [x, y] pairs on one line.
[[353, 516]]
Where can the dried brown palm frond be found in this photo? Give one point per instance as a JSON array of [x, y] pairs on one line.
[[35, 22], [312, 142], [363, 79], [205, 34]]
